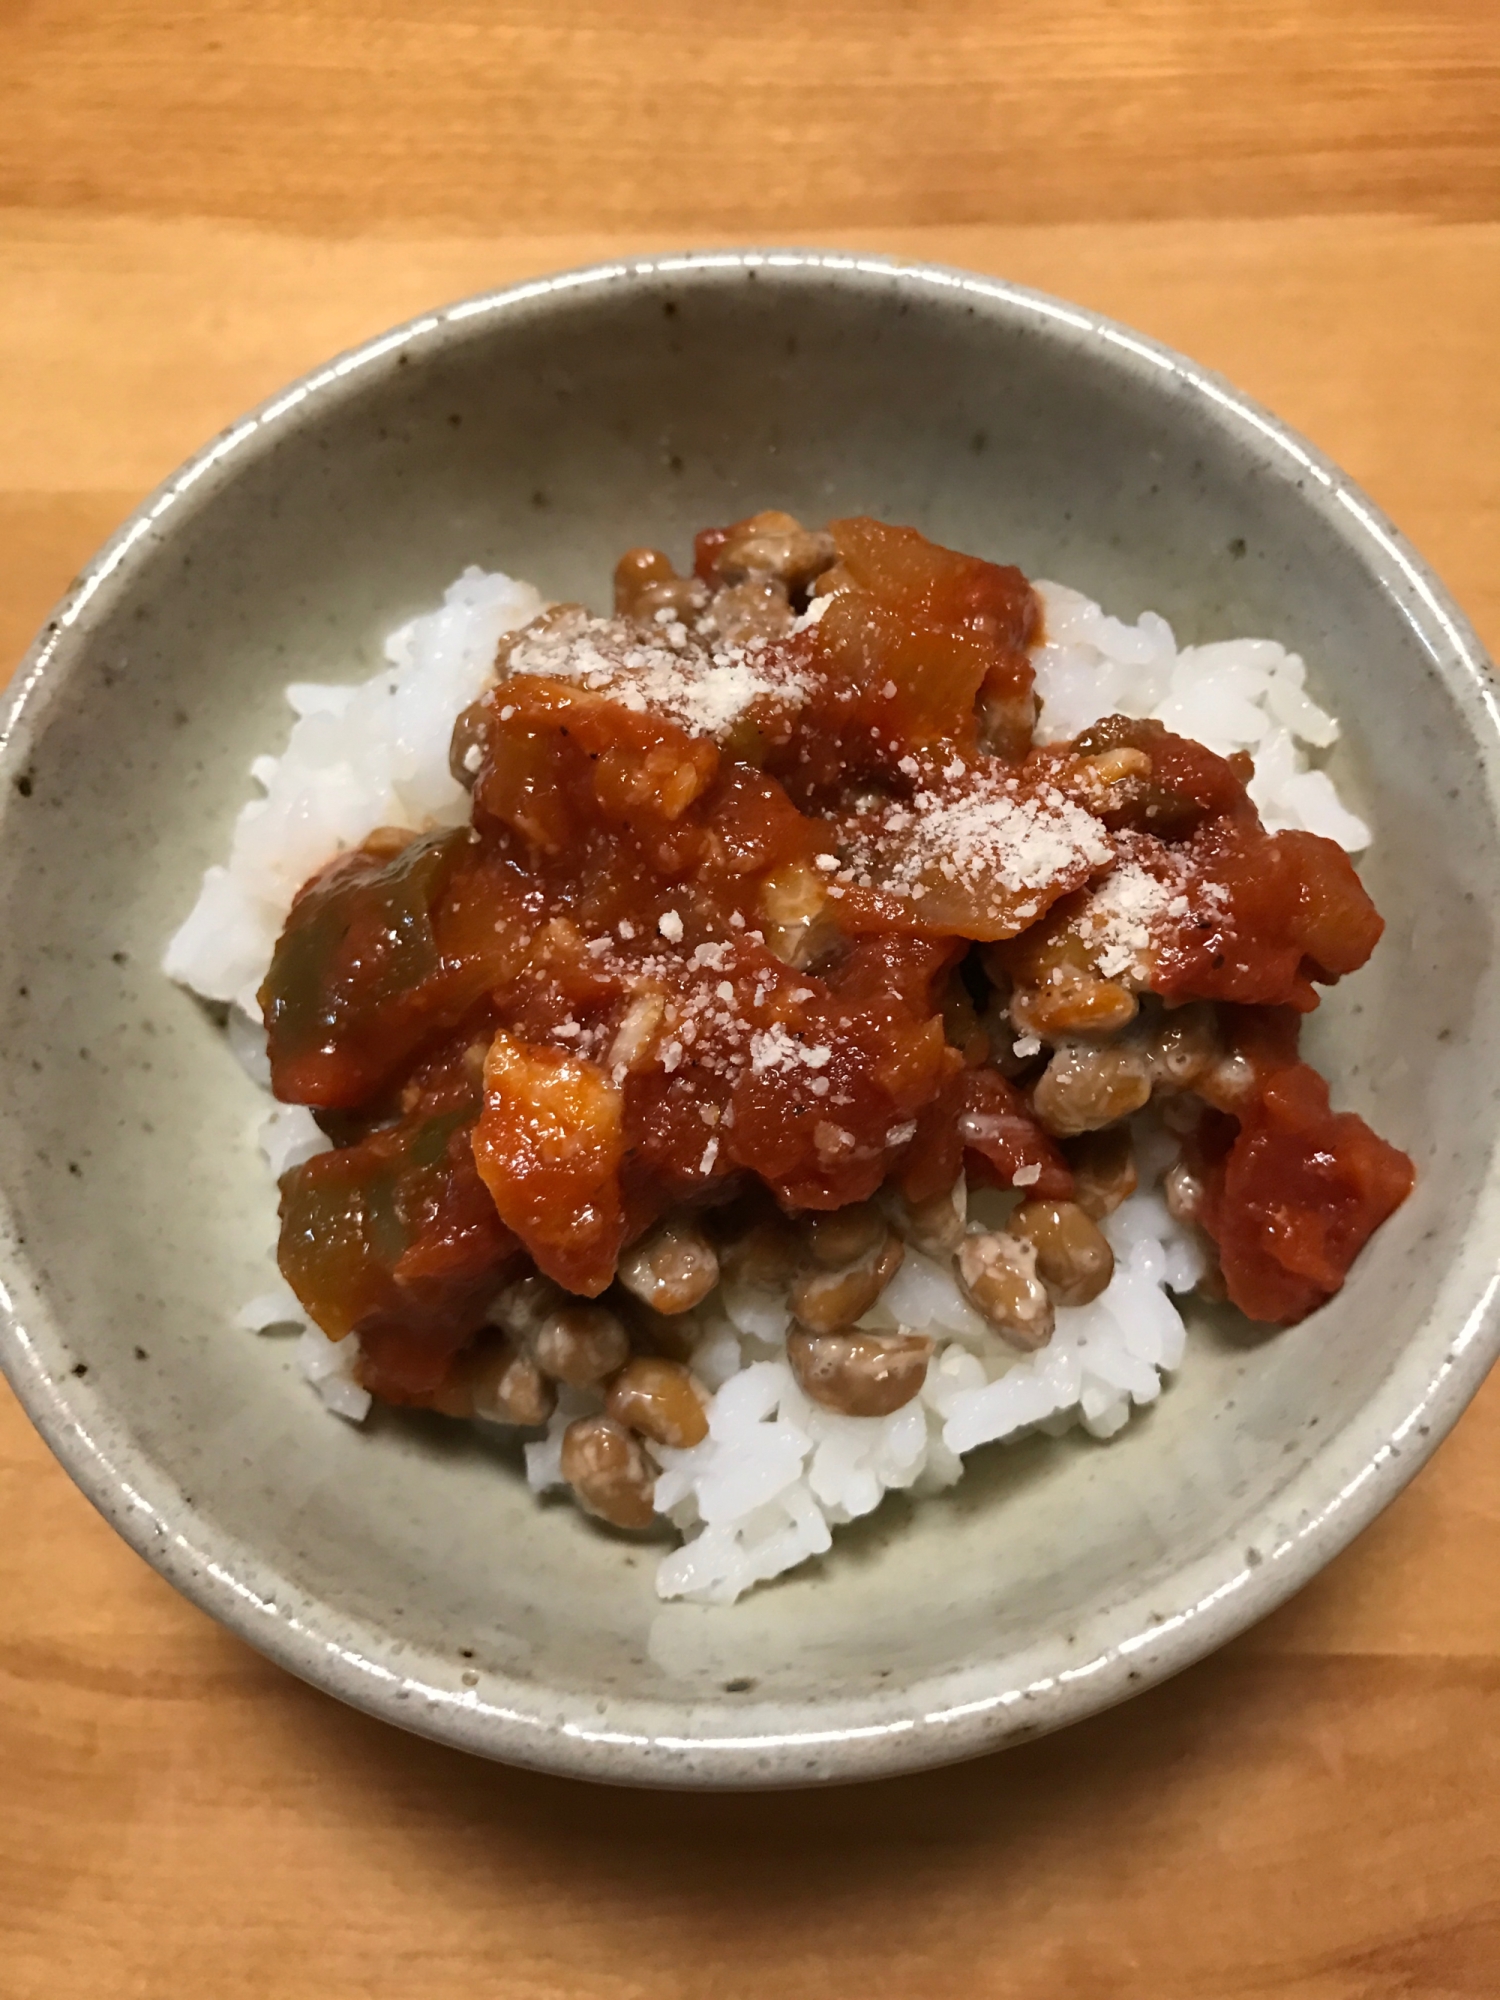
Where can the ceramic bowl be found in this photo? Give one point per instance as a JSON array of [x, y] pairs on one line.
[[405, 1568]]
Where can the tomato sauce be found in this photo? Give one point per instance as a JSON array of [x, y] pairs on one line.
[[1293, 1190], [706, 937]]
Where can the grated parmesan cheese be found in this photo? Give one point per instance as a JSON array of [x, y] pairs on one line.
[[1124, 913], [696, 681], [990, 842], [1120, 916]]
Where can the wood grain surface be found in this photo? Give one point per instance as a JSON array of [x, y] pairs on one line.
[[198, 203]]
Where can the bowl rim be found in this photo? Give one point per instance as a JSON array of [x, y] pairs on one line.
[[740, 1743]]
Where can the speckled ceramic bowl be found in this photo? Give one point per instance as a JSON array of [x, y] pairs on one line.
[[406, 1568]]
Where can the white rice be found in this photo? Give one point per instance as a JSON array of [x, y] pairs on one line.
[[777, 1473]]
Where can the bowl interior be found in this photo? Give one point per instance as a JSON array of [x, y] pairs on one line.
[[407, 1563]]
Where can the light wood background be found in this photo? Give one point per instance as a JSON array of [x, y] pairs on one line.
[[198, 202]]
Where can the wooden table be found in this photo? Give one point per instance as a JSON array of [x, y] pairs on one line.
[[198, 203]]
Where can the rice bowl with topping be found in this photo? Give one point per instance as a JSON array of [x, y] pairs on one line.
[[925, 1029]]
